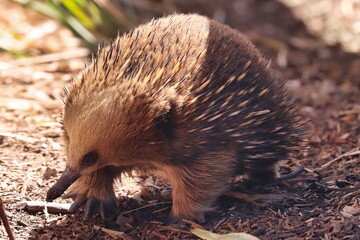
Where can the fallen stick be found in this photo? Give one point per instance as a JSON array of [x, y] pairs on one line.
[[112, 233], [52, 207], [53, 57], [146, 206], [353, 152], [20, 137], [345, 189], [5, 221]]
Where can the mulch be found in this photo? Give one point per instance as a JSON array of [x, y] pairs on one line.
[[322, 203]]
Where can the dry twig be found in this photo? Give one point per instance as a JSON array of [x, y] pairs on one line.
[[112, 233], [53, 57], [159, 235], [172, 229], [146, 206], [345, 189], [255, 197], [20, 137], [52, 207], [193, 224], [353, 152], [5, 221]]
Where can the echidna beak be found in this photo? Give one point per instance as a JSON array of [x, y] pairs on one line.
[[67, 178]]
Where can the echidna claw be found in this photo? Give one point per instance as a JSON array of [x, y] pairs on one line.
[[108, 208], [91, 207], [78, 202], [68, 195]]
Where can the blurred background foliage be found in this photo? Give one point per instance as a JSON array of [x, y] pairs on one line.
[[335, 22], [98, 20]]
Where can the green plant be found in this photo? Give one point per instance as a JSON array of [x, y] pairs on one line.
[[92, 21]]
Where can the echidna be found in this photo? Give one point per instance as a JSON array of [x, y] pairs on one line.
[[182, 95]]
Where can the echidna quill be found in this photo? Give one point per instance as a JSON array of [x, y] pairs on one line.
[[184, 96]]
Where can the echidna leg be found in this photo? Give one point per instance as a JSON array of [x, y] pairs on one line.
[[262, 172], [197, 186], [96, 192]]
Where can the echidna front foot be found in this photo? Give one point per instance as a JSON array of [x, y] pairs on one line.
[[105, 208], [91, 207], [96, 192], [79, 200]]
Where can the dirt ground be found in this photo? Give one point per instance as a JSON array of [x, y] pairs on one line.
[[322, 203]]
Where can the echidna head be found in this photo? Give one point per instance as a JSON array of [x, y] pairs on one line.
[[106, 128], [93, 135], [92, 131]]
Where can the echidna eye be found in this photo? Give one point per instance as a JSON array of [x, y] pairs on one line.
[[90, 158]]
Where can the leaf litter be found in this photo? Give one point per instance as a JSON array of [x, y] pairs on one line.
[[321, 203]]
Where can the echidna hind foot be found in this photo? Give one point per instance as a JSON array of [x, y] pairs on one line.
[[263, 174], [95, 191]]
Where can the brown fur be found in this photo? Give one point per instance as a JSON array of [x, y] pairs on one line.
[[183, 95]]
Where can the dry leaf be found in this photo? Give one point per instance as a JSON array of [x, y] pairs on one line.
[[350, 211], [206, 235]]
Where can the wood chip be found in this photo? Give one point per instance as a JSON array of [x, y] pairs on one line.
[[52, 207], [112, 233]]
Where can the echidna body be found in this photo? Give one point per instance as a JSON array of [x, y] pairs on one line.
[[185, 96]]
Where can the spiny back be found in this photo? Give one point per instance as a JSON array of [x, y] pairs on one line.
[[219, 86]]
